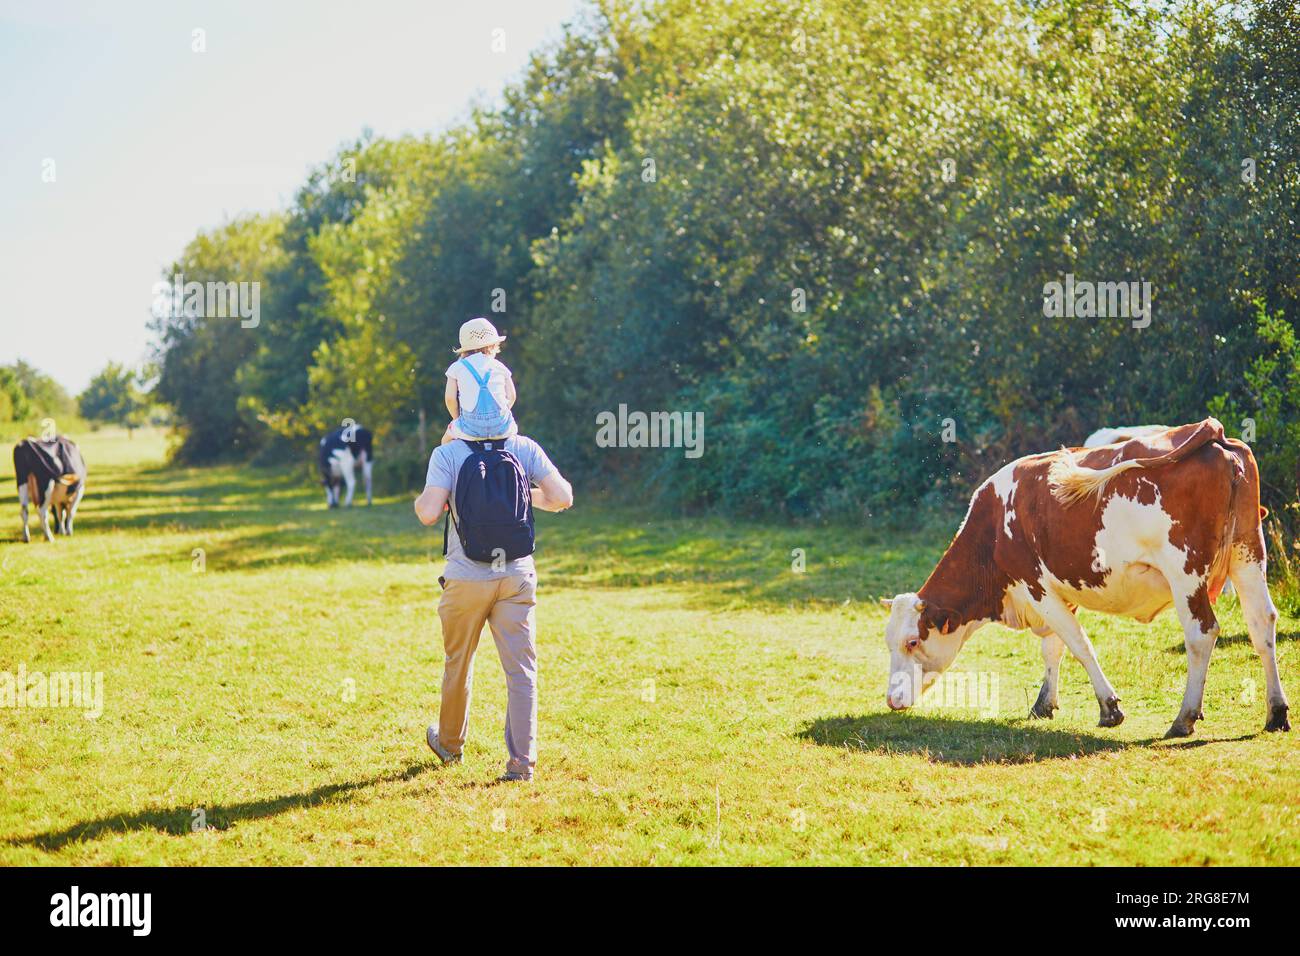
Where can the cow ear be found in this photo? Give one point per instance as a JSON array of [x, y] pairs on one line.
[[942, 619], [887, 602]]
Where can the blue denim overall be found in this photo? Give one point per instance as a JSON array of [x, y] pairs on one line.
[[486, 419]]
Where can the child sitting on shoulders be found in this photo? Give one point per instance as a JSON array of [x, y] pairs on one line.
[[480, 389]]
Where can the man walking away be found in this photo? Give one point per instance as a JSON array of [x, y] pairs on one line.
[[491, 488]]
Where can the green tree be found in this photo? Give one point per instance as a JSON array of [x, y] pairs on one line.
[[14, 404], [114, 396], [199, 358], [28, 394]]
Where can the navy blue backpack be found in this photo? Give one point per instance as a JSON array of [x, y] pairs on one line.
[[493, 505]]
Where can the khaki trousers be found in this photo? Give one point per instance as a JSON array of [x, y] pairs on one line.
[[506, 605]]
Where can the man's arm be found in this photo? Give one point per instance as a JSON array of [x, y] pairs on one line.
[[429, 506], [553, 494]]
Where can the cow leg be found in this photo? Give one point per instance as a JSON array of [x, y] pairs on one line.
[[367, 469], [349, 480], [22, 507], [72, 511], [59, 507], [1261, 621], [43, 509], [1200, 631], [1062, 620], [1053, 648]]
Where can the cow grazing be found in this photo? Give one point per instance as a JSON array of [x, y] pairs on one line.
[[1128, 529], [51, 474], [339, 453], [1111, 436]]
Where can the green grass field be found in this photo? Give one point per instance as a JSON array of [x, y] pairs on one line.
[[701, 702]]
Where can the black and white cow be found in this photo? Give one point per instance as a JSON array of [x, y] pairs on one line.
[[339, 454], [53, 475]]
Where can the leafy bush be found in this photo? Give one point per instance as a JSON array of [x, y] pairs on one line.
[[825, 224], [1266, 404]]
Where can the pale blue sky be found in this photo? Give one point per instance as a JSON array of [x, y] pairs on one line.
[[152, 142]]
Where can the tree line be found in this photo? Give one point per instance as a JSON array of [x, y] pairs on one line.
[[828, 226], [32, 402]]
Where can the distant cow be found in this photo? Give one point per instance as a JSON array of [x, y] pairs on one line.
[[1125, 529], [339, 454], [53, 475], [1110, 436]]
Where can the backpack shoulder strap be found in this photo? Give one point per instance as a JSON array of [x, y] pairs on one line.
[[451, 496]]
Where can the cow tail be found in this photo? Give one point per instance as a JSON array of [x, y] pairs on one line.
[[1071, 482]]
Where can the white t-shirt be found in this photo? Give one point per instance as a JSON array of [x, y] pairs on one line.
[[467, 387]]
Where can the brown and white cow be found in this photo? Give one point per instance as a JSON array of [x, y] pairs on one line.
[[1130, 529]]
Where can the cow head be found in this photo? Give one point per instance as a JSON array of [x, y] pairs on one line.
[[923, 640]]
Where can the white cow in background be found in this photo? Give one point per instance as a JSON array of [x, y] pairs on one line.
[[340, 452], [1113, 436]]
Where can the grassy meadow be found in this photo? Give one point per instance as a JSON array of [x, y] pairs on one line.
[[269, 668]]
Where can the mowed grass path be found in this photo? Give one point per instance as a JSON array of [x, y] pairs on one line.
[[701, 703]]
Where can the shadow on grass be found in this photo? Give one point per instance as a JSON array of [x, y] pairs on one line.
[[139, 485], [1228, 640], [960, 742], [270, 517], [176, 820]]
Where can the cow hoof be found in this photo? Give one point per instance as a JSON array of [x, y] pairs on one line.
[[1184, 725], [1043, 708], [1111, 715], [1277, 719]]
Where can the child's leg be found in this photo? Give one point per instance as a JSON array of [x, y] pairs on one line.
[[447, 437]]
